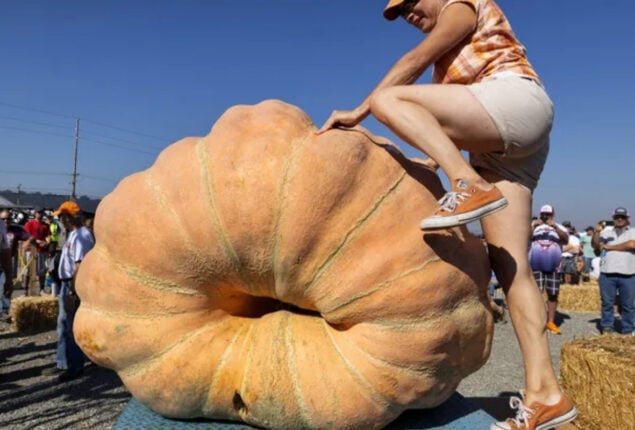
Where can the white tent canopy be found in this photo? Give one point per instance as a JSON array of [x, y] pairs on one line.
[[6, 203]]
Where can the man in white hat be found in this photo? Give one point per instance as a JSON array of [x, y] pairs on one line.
[[617, 270]]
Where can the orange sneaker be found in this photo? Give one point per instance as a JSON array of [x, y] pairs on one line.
[[538, 416], [553, 328], [465, 203]]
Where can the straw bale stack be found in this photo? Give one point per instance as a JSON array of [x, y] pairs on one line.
[[580, 298], [34, 313], [599, 374]]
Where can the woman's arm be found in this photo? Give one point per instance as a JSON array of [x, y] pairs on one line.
[[453, 26]]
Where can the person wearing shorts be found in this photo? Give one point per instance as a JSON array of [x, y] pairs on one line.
[[545, 258], [548, 282], [486, 99]]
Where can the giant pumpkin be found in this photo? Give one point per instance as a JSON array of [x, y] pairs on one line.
[[267, 274]]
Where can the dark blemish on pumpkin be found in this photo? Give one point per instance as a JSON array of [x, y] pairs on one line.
[[238, 403], [121, 328]]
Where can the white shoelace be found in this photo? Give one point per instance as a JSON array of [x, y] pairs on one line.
[[451, 200], [523, 414]]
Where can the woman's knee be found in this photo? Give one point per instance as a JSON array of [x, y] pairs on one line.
[[384, 103]]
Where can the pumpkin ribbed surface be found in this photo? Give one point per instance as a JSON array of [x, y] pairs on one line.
[[267, 274]]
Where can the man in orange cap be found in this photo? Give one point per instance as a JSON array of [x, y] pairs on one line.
[[486, 99], [69, 358]]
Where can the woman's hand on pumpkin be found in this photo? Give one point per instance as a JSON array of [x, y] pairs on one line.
[[343, 118]]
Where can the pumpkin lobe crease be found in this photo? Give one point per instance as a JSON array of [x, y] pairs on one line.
[[164, 202], [294, 374], [143, 364], [249, 341], [145, 315], [205, 407], [423, 370], [381, 286], [429, 322], [228, 249], [148, 280], [352, 232], [370, 393], [289, 164]]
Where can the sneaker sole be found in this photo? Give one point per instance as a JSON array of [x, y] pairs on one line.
[[436, 222], [558, 421]]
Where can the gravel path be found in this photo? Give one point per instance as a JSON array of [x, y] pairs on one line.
[[502, 376], [95, 400]]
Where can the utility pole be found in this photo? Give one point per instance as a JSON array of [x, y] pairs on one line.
[[74, 180], [17, 198]]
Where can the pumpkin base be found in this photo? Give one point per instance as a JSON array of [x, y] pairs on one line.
[[457, 413]]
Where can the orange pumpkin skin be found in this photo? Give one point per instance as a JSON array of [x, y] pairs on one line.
[[267, 274]]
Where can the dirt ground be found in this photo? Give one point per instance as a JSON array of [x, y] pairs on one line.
[[29, 400]]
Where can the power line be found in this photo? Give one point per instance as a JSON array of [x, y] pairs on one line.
[[87, 120], [125, 148], [35, 173], [164, 139], [46, 124], [38, 189], [97, 178], [121, 140], [68, 136], [35, 131], [15, 172], [37, 110]]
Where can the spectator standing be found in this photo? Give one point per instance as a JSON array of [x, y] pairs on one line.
[[617, 270], [570, 250], [70, 358], [16, 234], [587, 251], [39, 232], [54, 235], [545, 255], [594, 273], [5, 263]]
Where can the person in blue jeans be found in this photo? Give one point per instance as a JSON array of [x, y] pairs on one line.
[[69, 357], [617, 270]]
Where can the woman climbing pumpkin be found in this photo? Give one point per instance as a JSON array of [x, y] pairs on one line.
[[485, 99]]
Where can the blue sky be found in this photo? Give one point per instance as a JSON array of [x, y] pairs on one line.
[[142, 74]]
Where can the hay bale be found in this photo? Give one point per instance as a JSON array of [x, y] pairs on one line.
[[599, 375], [580, 298], [34, 313]]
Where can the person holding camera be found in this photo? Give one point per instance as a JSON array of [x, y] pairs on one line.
[[545, 254], [617, 270]]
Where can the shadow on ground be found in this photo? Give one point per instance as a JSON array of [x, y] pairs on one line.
[[30, 400]]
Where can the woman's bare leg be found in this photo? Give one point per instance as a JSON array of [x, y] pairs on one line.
[[440, 120], [507, 234]]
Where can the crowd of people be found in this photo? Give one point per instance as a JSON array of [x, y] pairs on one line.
[[47, 248], [604, 253]]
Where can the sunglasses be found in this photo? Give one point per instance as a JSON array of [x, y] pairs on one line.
[[4, 219], [619, 217], [406, 7]]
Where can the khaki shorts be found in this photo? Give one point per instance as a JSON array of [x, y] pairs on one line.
[[523, 114]]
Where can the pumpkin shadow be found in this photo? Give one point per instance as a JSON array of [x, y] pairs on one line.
[[457, 412]]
